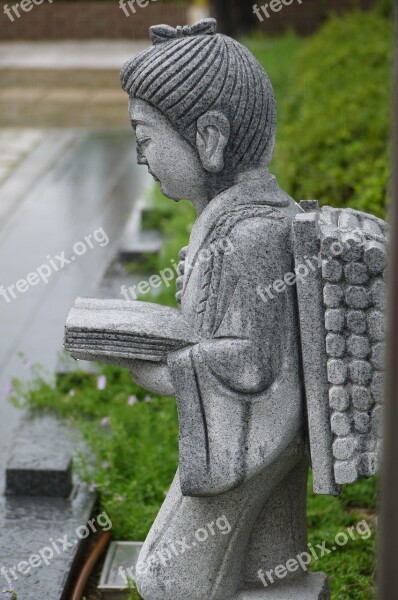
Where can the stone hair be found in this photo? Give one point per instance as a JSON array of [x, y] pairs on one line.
[[187, 76]]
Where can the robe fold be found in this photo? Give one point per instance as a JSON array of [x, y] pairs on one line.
[[239, 390]]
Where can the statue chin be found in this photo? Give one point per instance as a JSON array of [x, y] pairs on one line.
[[169, 194]]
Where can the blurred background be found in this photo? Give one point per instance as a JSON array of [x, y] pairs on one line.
[[68, 167]]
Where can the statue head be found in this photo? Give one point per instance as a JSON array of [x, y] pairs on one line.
[[203, 108]]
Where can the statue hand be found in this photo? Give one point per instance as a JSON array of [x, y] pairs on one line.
[[153, 376]]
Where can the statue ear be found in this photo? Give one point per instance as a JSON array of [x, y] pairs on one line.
[[213, 131]]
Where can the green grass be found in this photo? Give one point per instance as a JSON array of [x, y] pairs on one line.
[[278, 57]]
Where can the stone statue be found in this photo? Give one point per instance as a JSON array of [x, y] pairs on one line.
[[256, 399]]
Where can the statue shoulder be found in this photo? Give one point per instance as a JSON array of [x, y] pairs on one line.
[[253, 221]]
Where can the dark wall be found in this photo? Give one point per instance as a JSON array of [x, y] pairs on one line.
[[236, 16], [87, 20]]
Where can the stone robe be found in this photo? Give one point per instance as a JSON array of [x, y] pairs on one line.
[[241, 411], [239, 391]]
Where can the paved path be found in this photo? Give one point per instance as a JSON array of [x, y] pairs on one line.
[[15, 145], [29, 524], [93, 184]]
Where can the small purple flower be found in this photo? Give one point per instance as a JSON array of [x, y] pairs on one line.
[[8, 389], [105, 464], [101, 382], [132, 400], [72, 392], [92, 487], [105, 421], [29, 366], [148, 399]]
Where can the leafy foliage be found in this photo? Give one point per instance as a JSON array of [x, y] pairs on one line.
[[333, 143], [134, 440]]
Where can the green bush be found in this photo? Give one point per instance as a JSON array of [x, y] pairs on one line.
[[333, 141]]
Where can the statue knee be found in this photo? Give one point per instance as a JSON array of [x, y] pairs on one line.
[[150, 585], [159, 582]]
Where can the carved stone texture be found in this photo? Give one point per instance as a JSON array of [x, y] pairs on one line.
[[355, 333], [333, 295], [377, 387], [335, 345], [358, 346], [332, 270], [356, 321], [356, 273], [339, 398], [361, 397], [334, 319], [375, 258], [379, 294]]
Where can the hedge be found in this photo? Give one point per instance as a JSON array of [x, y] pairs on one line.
[[333, 142]]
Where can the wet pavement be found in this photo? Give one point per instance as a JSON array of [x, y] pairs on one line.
[[32, 523], [89, 191], [15, 144]]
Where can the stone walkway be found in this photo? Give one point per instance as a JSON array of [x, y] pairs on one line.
[[93, 184], [67, 168], [15, 145], [57, 184], [30, 524]]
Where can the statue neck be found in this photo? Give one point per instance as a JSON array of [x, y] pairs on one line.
[[219, 183]]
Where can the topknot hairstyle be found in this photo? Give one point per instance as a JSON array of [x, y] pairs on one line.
[[191, 70]]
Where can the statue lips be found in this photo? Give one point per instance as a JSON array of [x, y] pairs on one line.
[[143, 161], [154, 176]]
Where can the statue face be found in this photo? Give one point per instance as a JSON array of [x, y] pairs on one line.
[[170, 159]]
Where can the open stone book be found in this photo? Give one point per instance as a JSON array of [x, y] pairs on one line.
[[98, 329]]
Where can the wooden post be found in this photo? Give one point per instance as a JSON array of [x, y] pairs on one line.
[[388, 550]]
